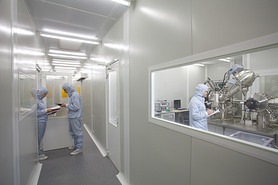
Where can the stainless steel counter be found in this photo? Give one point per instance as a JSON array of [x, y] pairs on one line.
[[235, 124]]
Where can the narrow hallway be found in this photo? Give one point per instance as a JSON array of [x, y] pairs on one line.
[[87, 168]]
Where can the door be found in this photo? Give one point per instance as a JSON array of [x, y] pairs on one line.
[[113, 114], [57, 127]]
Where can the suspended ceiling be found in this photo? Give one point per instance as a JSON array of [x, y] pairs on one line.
[[86, 17]]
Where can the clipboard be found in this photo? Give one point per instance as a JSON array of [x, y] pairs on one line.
[[215, 112]]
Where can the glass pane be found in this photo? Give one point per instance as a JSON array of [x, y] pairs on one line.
[[269, 84], [113, 100], [28, 92], [55, 93]]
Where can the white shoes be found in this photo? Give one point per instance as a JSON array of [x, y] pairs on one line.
[[42, 157], [75, 152]]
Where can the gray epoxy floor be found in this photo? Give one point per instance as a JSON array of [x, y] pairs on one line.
[[87, 168]]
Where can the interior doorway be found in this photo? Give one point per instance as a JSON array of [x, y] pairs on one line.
[[113, 144]]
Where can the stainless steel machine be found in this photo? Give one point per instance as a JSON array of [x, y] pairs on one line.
[[230, 97]]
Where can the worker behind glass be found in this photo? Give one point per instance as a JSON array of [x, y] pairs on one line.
[[197, 109]]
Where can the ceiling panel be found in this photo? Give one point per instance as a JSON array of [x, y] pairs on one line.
[[101, 7], [65, 27], [59, 14], [119, 12]]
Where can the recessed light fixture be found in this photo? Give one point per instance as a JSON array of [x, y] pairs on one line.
[[89, 66], [28, 52], [225, 59], [22, 31], [68, 38], [69, 34], [66, 56], [66, 65], [66, 61], [116, 46], [68, 68], [99, 59], [126, 3], [67, 52], [202, 65]]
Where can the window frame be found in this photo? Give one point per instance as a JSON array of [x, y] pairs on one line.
[[251, 149]]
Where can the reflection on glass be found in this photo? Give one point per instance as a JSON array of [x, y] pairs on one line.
[[113, 101], [55, 93], [244, 88], [27, 91]]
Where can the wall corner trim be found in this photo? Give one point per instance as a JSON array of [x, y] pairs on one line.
[[122, 179], [34, 178]]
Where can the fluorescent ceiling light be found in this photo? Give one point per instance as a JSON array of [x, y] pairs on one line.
[[67, 38], [67, 52], [66, 56], [116, 46], [94, 67], [50, 77], [22, 31], [65, 71], [69, 34], [26, 62], [202, 65], [28, 52], [225, 60], [66, 65], [66, 61], [69, 68], [122, 2], [96, 59]]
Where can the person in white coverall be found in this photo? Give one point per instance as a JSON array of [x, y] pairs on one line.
[[197, 109], [75, 114], [42, 116]]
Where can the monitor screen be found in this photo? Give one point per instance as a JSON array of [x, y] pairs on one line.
[[177, 104]]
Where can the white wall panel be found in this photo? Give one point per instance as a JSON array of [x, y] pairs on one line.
[[6, 126], [215, 165], [159, 32], [86, 95], [217, 23], [98, 98]]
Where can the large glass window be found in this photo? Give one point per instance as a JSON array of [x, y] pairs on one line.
[[243, 87]]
